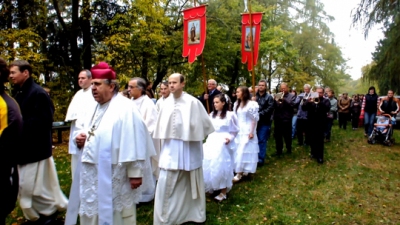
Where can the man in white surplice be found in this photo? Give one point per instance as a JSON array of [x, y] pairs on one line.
[[183, 124], [114, 168], [78, 108], [164, 91], [137, 89]]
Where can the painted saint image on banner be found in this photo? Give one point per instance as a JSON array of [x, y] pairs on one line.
[[194, 32], [247, 39]]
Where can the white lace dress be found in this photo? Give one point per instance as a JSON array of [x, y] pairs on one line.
[[246, 155], [217, 161]]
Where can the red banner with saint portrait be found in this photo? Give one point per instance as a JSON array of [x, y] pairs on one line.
[[194, 32], [250, 40]]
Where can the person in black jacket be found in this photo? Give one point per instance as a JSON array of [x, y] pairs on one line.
[[317, 119], [370, 109], [355, 110], [266, 104], [389, 105], [283, 120], [10, 137], [212, 91], [40, 194]]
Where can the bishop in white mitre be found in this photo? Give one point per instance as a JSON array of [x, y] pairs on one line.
[[115, 144], [81, 103], [183, 124], [146, 107]]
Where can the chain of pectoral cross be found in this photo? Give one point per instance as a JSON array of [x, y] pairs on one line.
[[98, 120]]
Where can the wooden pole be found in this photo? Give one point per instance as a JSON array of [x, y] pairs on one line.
[[252, 50], [205, 83], [203, 67]]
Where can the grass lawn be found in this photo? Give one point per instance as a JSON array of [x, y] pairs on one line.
[[358, 184]]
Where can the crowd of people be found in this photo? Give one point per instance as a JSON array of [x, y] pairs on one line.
[[126, 148]]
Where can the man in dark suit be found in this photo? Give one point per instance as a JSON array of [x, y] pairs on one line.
[[209, 96], [284, 108], [317, 112], [40, 193]]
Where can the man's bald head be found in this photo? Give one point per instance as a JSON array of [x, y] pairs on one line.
[[180, 76], [176, 83]]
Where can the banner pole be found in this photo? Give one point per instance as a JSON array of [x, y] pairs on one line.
[[252, 50], [205, 82]]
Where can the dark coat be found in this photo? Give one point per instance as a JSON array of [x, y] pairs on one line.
[[37, 114], [266, 104], [371, 103], [285, 110], [210, 99], [317, 114], [10, 138]]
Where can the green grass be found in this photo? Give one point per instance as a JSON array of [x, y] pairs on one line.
[[358, 184]]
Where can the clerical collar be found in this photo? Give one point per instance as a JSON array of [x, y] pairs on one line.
[[104, 104]]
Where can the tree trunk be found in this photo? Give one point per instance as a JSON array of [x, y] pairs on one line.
[[87, 41], [75, 55], [145, 65]]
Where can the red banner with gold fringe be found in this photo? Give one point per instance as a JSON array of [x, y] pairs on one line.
[[194, 32], [247, 43]]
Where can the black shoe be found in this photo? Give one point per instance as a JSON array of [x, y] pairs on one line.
[[48, 220], [276, 154], [28, 222], [259, 164], [320, 161]]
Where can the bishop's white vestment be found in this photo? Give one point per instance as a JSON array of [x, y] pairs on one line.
[[114, 151], [149, 114], [180, 194], [81, 103]]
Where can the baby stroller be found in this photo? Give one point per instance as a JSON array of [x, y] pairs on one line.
[[383, 131]]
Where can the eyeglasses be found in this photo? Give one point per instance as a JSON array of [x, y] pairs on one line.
[[132, 87]]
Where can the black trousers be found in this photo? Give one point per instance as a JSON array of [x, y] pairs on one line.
[[283, 130], [343, 117], [354, 119], [302, 129], [317, 142]]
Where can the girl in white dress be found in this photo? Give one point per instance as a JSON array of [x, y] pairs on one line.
[[217, 162], [246, 155]]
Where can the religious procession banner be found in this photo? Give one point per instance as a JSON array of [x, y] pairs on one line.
[[250, 39], [194, 32]]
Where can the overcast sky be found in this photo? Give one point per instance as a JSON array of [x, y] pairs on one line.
[[354, 46]]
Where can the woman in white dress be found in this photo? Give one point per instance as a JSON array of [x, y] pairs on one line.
[[246, 155], [217, 162]]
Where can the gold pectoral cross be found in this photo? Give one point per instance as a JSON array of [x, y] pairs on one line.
[[91, 132]]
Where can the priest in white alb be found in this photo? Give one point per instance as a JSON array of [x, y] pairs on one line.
[[146, 107], [183, 124], [81, 103], [115, 144], [164, 91]]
